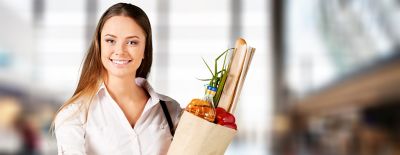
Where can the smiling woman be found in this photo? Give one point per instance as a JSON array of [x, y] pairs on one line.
[[114, 110]]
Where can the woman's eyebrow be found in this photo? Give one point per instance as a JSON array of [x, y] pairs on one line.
[[111, 35], [128, 37]]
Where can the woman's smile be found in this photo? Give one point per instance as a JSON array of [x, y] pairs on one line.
[[120, 61]]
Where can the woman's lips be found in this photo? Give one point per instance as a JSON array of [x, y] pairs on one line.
[[120, 61]]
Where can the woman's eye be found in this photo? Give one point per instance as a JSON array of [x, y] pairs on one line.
[[132, 42], [110, 41]]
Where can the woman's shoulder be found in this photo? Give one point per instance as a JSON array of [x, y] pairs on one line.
[[168, 100], [69, 112], [174, 108], [146, 85]]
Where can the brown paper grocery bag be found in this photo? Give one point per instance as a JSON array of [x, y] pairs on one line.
[[196, 136]]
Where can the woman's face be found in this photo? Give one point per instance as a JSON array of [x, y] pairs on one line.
[[122, 45]]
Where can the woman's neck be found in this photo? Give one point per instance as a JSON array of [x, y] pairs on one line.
[[124, 90]]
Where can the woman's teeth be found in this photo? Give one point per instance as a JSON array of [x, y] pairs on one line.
[[120, 62]]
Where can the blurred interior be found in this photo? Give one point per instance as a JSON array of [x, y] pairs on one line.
[[337, 77], [325, 78]]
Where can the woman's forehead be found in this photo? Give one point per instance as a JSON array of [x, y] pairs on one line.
[[122, 26]]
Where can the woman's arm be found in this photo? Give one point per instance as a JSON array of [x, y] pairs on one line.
[[70, 132]]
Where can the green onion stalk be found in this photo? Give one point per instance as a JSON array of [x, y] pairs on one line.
[[218, 77]]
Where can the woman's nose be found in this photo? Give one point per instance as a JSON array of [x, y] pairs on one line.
[[120, 49]]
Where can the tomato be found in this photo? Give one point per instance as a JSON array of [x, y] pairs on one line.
[[227, 118], [219, 110], [223, 117]]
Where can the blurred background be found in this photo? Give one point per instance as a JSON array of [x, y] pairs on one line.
[[325, 78]]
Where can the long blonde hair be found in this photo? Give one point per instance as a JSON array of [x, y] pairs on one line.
[[93, 70]]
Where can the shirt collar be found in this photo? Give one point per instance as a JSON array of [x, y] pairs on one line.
[[154, 97]]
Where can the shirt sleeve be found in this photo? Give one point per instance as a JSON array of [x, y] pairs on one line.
[[69, 131]]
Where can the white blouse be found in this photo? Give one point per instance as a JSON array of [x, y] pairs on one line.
[[107, 131]]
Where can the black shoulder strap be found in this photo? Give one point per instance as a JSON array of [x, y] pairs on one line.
[[168, 116]]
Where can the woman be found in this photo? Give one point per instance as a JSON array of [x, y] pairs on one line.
[[114, 110]]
